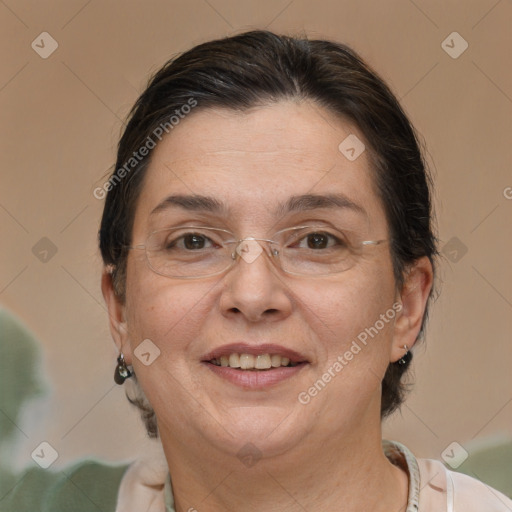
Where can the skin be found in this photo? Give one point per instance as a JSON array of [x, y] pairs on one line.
[[325, 455]]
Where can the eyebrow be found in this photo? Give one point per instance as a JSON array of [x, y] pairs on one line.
[[299, 203], [190, 202], [315, 201]]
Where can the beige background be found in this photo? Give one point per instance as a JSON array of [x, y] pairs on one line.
[[61, 118]]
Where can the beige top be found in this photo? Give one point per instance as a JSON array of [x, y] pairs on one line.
[[146, 486]]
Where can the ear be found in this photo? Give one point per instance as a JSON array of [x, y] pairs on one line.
[[413, 299], [116, 314]]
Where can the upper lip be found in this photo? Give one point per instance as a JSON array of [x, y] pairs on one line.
[[255, 350]]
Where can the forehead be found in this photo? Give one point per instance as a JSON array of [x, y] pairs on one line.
[[253, 162]]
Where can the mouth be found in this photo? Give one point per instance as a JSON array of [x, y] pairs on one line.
[[254, 357], [262, 362], [254, 366]]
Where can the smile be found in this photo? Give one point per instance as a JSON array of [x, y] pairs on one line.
[[251, 362], [255, 366]]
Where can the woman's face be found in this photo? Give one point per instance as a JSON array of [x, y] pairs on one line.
[[257, 166]]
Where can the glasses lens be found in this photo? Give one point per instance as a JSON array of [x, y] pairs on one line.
[[188, 251], [313, 250]]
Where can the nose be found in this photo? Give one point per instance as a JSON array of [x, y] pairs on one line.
[[253, 288]]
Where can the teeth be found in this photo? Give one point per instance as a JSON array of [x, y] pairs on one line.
[[234, 361], [250, 362], [263, 362], [246, 361], [275, 361]]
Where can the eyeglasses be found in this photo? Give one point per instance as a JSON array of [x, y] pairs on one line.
[[190, 252]]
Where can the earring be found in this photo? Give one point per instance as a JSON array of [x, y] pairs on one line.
[[406, 358], [121, 372]]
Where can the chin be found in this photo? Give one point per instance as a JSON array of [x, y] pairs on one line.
[[267, 430]]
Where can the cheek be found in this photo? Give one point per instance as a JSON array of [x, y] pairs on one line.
[[172, 316], [349, 302], [346, 315], [166, 311]]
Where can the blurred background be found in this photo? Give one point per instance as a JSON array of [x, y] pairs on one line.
[[71, 71]]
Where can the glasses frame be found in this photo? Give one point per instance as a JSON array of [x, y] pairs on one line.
[[273, 254]]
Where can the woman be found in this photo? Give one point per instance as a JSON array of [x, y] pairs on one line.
[[269, 259]]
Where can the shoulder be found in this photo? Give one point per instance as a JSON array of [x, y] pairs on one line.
[[463, 492], [84, 487]]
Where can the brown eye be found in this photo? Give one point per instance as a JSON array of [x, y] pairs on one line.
[[317, 241], [188, 242], [192, 241]]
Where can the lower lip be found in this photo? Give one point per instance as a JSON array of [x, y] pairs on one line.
[[258, 379]]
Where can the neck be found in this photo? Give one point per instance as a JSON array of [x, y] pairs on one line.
[[345, 473]]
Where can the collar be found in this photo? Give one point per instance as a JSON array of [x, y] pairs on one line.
[[402, 457]]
